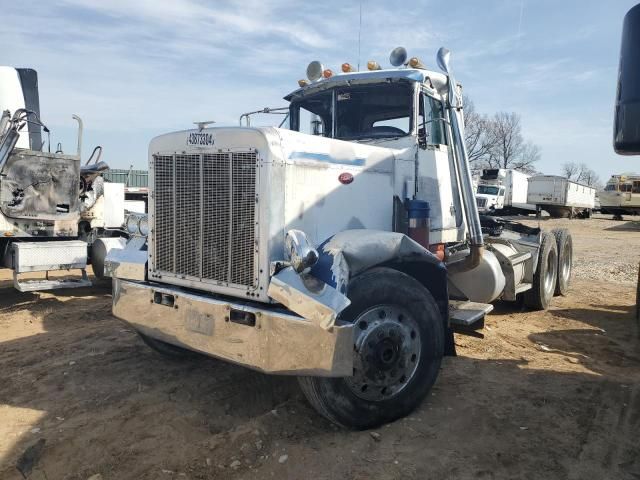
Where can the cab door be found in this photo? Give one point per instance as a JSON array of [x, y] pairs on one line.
[[436, 182]]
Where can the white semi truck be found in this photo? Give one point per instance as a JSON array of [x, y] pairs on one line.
[[561, 197], [503, 191], [346, 256], [54, 210]]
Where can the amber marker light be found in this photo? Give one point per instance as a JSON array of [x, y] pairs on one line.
[[414, 62], [373, 65], [327, 73], [347, 68]]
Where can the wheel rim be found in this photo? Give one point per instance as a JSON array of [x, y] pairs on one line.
[[566, 261], [550, 275], [386, 352]]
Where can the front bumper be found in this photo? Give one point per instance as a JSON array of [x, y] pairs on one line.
[[279, 342]]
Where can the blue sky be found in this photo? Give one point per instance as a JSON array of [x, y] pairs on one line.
[[134, 69]]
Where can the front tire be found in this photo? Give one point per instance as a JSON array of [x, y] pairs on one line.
[[544, 280], [565, 260], [398, 349], [166, 349]]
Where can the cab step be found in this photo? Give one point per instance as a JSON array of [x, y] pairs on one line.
[[49, 256], [468, 315], [49, 284]]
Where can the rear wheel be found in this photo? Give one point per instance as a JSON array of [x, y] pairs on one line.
[[565, 260], [166, 349], [398, 348], [544, 280]]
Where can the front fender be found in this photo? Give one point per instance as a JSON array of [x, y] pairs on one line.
[[351, 252]]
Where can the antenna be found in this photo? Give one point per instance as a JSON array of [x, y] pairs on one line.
[[359, 32]]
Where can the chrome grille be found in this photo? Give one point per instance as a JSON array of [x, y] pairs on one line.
[[205, 217]]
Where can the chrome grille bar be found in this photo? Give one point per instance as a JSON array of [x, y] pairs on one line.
[[187, 216], [243, 219], [163, 196], [217, 215]]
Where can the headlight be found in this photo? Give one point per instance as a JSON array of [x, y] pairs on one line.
[[300, 252], [132, 224], [137, 224], [143, 226]]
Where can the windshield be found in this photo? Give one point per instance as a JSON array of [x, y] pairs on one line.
[[363, 111], [487, 190]]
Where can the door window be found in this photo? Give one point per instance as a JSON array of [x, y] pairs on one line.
[[431, 124]]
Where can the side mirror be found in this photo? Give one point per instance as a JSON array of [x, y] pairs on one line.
[[626, 131], [301, 254]]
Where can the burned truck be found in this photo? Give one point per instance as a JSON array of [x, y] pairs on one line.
[[344, 247], [53, 208]]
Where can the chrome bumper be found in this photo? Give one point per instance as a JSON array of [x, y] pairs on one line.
[[278, 342]]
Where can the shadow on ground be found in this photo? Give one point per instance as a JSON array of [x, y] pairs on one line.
[[111, 406]]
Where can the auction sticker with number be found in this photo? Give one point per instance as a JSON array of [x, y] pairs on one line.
[[200, 139]]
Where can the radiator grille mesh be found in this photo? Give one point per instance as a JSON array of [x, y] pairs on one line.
[[164, 212], [187, 220], [205, 216], [217, 202], [243, 219]]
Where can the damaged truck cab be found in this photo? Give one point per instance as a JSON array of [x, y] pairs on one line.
[[344, 249], [53, 208]]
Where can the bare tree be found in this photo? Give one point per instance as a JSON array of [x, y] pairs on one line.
[[588, 176], [580, 172], [571, 170], [478, 138], [509, 148]]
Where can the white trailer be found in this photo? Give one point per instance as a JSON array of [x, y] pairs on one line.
[[561, 197], [347, 256], [503, 191]]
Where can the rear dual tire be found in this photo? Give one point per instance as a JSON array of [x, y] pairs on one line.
[[564, 244], [544, 280]]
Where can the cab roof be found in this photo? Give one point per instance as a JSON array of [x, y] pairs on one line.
[[434, 80]]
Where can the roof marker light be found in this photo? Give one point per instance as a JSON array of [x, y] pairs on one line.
[[327, 73], [415, 62], [303, 83], [373, 65], [347, 68]]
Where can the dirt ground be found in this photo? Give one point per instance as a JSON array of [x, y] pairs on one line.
[[544, 395]]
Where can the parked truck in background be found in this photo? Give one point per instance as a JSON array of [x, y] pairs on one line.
[[621, 195], [503, 191], [561, 197], [53, 208], [344, 249]]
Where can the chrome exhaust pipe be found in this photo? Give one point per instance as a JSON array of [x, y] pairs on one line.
[[461, 157]]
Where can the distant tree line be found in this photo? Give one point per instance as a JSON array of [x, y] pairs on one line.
[[497, 141], [579, 172]]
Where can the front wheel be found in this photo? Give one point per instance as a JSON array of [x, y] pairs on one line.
[[166, 349], [398, 347]]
